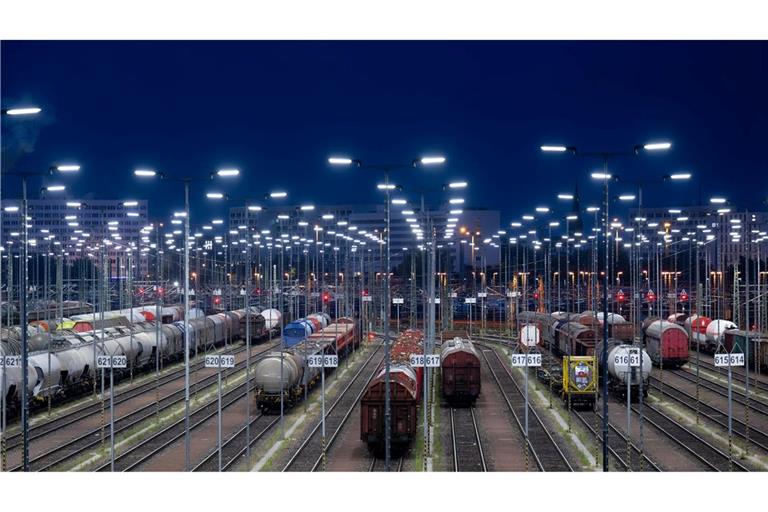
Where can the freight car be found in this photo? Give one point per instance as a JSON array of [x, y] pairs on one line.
[[66, 366], [667, 343], [696, 327], [571, 338], [405, 390], [735, 340], [460, 371], [620, 370], [287, 373]]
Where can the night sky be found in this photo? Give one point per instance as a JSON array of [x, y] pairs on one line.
[[277, 110]]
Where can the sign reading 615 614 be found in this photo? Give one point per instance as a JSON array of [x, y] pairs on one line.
[[729, 359]]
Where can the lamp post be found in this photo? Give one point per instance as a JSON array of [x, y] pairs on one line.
[[387, 187], [606, 177], [23, 292], [149, 173], [248, 291]]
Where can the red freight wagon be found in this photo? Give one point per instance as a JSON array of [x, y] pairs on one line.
[[404, 393], [666, 343], [460, 371]]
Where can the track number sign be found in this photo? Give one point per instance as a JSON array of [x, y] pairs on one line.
[[632, 358], [482, 295], [729, 360], [398, 300], [367, 298], [111, 362], [526, 360], [223, 361], [319, 360], [470, 300], [433, 360], [12, 361]]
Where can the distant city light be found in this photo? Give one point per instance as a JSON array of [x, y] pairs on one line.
[[627, 197], [73, 204], [307, 207], [385, 186], [601, 176], [254, 208], [542, 209], [131, 204], [456, 200]]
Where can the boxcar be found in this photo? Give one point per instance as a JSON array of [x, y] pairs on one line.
[[460, 371], [666, 343], [735, 340]]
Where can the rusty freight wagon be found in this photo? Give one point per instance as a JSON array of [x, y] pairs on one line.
[[404, 392]]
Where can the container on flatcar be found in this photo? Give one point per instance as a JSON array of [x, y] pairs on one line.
[[579, 381]]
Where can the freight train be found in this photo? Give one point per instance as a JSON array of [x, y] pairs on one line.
[[287, 373], [405, 391], [460, 371], [62, 363]]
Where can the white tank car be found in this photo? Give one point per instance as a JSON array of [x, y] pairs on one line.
[[267, 372], [613, 318], [715, 331], [271, 318], [619, 368]]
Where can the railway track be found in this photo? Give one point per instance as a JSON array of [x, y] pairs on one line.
[[703, 451], [309, 455], [756, 436], [138, 455], [617, 444], [77, 414], [378, 465], [545, 451], [467, 447], [760, 381], [90, 439], [738, 397]]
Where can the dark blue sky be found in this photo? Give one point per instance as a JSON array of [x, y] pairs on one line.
[[277, 110]]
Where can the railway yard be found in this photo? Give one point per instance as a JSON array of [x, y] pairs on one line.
[[477, 416]]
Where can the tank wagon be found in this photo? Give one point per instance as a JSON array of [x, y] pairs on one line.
[[287, 373], [620, 370], [460, 371], [71, 367], [666, 343], [405, 390], [735, 340]]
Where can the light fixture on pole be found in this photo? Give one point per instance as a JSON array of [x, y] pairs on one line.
[[387, 187], [605, 176]]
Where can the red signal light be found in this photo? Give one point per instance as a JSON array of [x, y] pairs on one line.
[[217, 300], [650, 296], [620, 296], [326, 297], [683, 296]]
